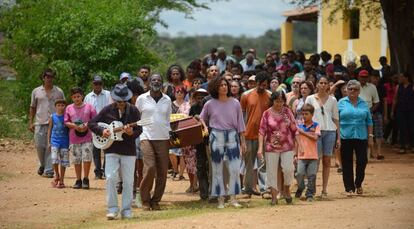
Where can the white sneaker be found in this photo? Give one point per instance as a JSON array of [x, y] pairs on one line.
[[111, 216], [220, 203], [234, 202]]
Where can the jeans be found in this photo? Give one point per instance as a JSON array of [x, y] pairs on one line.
[[224, 146], [348, 146], [308, 168], [114, 164], [202, 170], [250, 158], [43, 152], [97, 161]]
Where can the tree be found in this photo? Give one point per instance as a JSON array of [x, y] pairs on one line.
[[81, 38], [399, 19]]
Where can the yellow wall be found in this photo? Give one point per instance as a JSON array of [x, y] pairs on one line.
[[286, 36], [369, 41]]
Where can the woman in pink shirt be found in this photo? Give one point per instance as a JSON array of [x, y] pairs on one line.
[[277, 131]]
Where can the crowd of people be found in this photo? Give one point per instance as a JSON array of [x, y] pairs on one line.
[[265, 125]]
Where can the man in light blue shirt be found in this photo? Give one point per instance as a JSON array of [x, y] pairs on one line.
[[98, 98]]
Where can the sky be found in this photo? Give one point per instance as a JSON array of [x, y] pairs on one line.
[[232, 17]]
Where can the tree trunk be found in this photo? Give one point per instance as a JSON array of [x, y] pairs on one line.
[[399, 18]]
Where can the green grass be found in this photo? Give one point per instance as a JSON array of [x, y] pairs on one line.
[[172, 211], [13, 114], [394, 191]]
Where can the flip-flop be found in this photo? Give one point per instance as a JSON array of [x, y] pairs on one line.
[[61, 185], [54, 183]]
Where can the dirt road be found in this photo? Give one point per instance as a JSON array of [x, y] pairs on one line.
[[27, 200]]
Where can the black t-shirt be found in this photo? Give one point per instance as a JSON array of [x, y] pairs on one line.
[[382, 93]]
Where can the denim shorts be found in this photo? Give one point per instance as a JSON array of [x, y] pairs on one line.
[[326, 143], [176, 151]]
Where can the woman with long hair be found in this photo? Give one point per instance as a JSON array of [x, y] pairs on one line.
[[326, 115]]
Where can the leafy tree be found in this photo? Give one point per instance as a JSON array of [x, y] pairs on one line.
[[81, 38], [399, 20]]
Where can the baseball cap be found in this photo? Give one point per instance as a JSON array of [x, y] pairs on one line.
[[363, 73], [97, 79]]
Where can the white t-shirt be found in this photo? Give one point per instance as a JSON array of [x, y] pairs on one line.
[[369, 94], [330, 112]]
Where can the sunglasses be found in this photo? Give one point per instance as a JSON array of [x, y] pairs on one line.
[[353, 89], [322, 110], [237, 79], [179, 92]]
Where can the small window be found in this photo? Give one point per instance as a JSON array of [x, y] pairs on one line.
[[351, 24]]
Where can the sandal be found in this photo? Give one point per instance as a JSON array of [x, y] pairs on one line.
[[61, 185], [54, 183]]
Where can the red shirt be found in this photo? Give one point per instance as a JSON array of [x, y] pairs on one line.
[[279, 130]]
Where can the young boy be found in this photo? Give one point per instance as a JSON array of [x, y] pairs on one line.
[[77, 116], [58, 142], [307, 153]]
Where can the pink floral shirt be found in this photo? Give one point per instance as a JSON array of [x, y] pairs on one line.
[[279, 130]]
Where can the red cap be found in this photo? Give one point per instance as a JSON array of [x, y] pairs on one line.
[[363, 73]]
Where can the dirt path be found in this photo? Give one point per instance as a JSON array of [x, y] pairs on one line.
[[27, 200]]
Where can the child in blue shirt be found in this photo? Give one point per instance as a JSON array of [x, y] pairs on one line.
[[58, 141]]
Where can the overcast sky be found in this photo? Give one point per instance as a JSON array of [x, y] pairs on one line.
[[233, 17]]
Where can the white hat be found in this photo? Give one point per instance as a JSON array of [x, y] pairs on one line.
[[124, 75]]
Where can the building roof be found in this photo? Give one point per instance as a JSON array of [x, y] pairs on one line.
[[309, 13]]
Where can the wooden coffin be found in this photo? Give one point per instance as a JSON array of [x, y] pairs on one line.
[[185, 132]]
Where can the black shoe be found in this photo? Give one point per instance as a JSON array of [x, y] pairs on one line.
[[298, 194], [40, 170], [85, 183], [77, 185], [155, 206], [289, 200], [98, 176]]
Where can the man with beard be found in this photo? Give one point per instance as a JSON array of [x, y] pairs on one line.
[[253, 103], [142, 76], [154, 142]]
